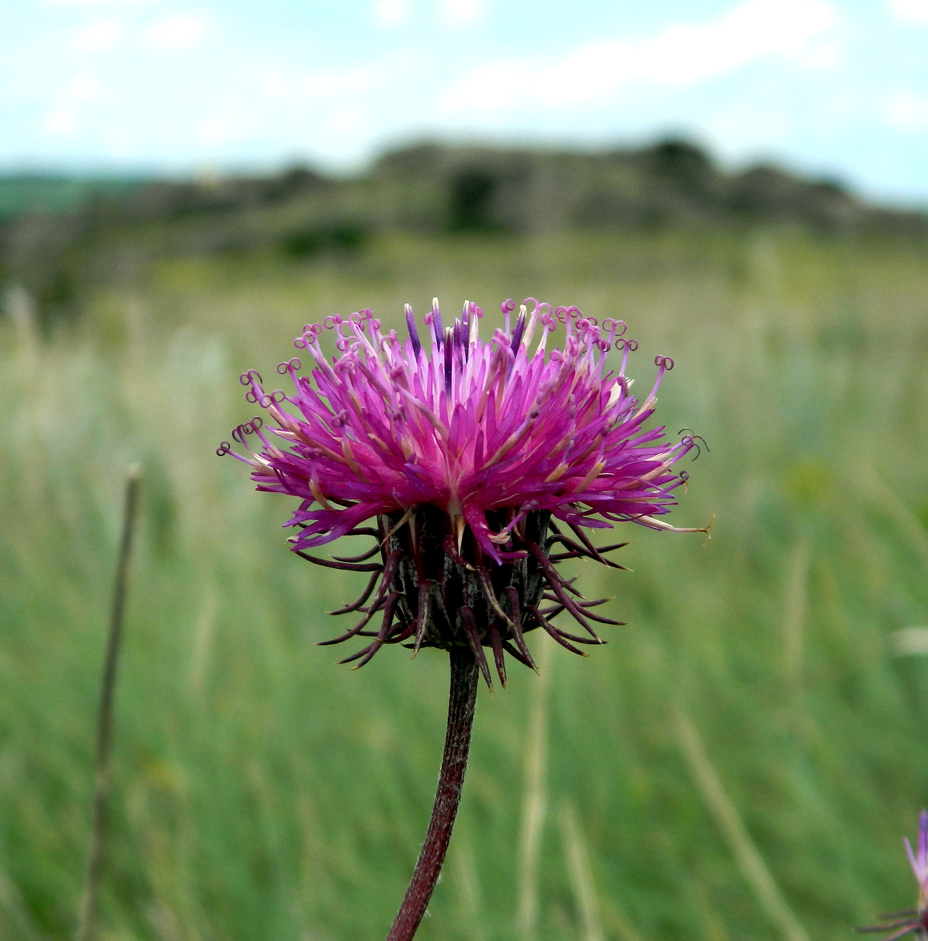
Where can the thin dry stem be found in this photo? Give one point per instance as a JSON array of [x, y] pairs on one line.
[[85, 927]]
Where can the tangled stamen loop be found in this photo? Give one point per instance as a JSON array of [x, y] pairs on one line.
[[663, 362], [309, 337], [618, 325], [271, 398], [391, 347], [630, 345], [693, 440], [225, 447], [246, 428], [343, 344], [250, 377], [536, 307], [290, 366], [549, 321], [508, 306]]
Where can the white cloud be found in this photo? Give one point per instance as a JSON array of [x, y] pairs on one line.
[[387, 13], [83, 87], [349, 121], [463, 12], [115, 5], [907, 111], [333, 85], [679, 55], [96, 37], [66, 115], [909, 11], [176, 32], [222, 129]]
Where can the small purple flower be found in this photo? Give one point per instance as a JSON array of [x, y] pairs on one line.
[[474, 458], [913, 919]]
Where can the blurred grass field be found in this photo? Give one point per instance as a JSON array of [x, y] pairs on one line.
[[740, 762]]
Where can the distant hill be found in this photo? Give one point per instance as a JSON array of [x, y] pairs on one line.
[[24, 193], [60, 237]]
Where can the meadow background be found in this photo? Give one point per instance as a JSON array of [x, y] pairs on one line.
[[741, 760]]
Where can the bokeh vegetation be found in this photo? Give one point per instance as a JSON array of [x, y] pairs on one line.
[[741, 761]]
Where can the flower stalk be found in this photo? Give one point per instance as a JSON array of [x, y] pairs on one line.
[[461, 703]]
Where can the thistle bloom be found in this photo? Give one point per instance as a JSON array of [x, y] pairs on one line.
[[475, 465], [914, 919]]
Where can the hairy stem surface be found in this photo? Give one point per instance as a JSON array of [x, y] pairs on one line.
[[461, 702]]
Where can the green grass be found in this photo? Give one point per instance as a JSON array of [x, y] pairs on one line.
[[260, 791]]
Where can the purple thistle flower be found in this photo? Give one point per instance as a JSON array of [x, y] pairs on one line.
[[913, 919], [474, 458]]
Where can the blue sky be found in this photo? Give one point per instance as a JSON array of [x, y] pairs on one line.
[[826, 87]]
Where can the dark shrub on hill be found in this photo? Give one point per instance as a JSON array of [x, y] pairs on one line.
[[303, 243]]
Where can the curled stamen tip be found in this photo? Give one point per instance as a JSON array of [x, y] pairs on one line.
[[705, 529]]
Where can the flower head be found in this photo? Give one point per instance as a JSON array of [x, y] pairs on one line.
[[914, 919], [472, 456]]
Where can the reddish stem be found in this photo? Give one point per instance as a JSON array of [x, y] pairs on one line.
[[461, 702]]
